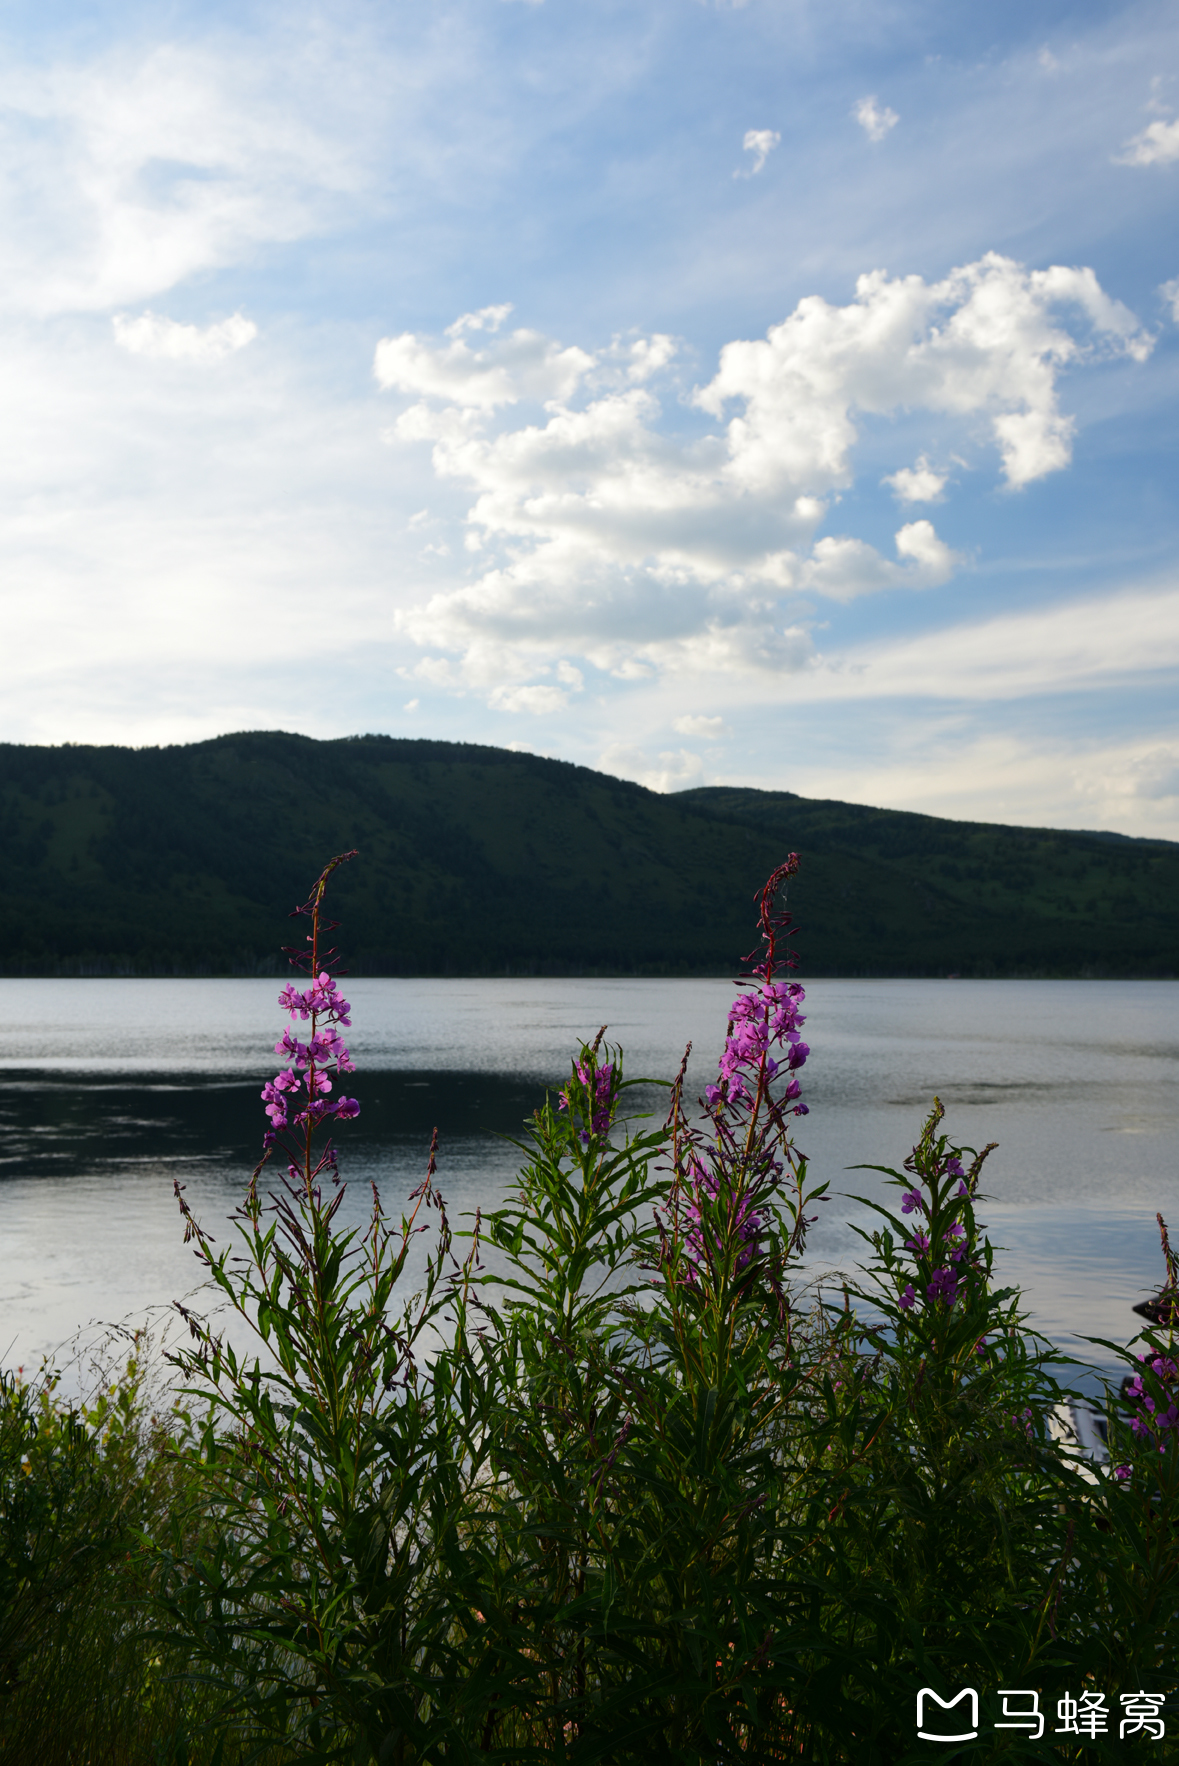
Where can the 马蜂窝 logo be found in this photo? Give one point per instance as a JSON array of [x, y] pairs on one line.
[[949, 1728], [940, 1719]]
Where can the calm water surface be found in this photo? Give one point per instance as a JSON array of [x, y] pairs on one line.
[[111, 1089]]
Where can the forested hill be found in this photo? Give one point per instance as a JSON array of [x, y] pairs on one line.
[[481, 861]]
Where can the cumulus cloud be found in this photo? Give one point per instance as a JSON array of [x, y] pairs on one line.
[[540, 701], [524, 365], [602, 533], [873, 119], [1170, 293], [842, 569], [166, 339], [760, 143], [917, 484], [1157, 145], [671, 771], [702, 729]]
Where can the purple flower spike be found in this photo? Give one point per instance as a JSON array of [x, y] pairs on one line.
[[943, 1286]]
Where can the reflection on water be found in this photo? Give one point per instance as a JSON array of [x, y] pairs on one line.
[[111, 1090]]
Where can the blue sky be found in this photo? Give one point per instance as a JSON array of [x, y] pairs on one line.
[[774, 394]]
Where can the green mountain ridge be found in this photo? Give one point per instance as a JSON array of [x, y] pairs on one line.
[[479, 860]]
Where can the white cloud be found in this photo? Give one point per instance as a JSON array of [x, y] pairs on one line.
[[702, 729], [638, 358], [539, 701], [998, 775], [1170, 293], [672, 771], [128, 174], [1076, 645], [918, 542], [166, 339], [1153, 773], [843, 569], [642, 550], [760, 143], [486, 319], [1157, 145], [874, 121], [984, 341], [917, 484], [524, 365]]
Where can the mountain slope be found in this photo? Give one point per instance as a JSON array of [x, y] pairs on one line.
[[968, 897], [478, 860]]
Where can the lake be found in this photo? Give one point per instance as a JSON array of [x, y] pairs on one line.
[[111, 1089]]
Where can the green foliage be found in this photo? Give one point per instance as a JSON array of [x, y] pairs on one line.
[[83, 1677]]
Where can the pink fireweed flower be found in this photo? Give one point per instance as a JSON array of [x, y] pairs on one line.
[[910, 1200], [601, 1082], [763, 1041], [919, 1242], [300, 1093], [321, 997], [908, 1297]]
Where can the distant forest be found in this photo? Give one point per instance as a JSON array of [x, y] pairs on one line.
[[479, 861]]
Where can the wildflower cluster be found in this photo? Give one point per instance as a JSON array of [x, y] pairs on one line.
[[941, 1252], [300, 1092], [761, 1020], [726, 1180], [592, 1095], [1156, 1400]]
